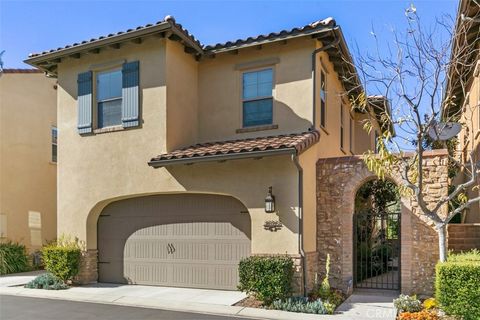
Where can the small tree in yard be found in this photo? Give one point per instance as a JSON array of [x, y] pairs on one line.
[[420, 75]]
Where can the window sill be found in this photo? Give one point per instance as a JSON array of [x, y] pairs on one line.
[[325, 130], [108, 129], [52, 163], [257, 128]]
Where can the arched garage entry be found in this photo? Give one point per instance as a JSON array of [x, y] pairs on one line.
[[185, 240]]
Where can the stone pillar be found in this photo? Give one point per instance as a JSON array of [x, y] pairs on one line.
[[88, 271]]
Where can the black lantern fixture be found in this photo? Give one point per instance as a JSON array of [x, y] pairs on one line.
[[270, 202]]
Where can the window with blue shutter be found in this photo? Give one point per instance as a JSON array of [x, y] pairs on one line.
[[130, 98], [257, 97], [109, 98], [84, 93]]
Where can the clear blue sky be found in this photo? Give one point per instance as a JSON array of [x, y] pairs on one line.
[[32, 26]]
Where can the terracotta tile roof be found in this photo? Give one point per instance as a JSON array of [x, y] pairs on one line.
[[168, 19], [298, 142], [309, 28], [22, 71]]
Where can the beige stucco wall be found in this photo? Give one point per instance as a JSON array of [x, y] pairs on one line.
[[329, 145], [220, 90], [27, 175], [182, 97], [469, 138]]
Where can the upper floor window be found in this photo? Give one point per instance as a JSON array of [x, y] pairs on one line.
[[342, 130], [54, 134], [350, 133], [257, 97], [109, 98], [323, 100]]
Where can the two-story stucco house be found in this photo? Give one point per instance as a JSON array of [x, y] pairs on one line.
[[168, 149], [28, 156]]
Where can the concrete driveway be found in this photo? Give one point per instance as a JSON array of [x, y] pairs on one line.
[[13, 283], [18, 279], [116, 291]]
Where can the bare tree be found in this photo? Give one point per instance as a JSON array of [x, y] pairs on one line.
[[420, 78]]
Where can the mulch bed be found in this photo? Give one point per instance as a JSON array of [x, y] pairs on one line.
[[249, 302]]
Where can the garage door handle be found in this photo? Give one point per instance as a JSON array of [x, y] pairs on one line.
[[170, 248]]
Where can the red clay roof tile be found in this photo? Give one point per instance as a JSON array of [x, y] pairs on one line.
[[299, 141]]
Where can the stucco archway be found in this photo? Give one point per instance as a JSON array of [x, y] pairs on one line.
[[338, 180]]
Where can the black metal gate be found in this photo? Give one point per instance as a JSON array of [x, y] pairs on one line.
[[377, 249]]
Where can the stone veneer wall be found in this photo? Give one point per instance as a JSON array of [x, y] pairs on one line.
[[88, 272], [338, 180], [311, 266], [463, 237]]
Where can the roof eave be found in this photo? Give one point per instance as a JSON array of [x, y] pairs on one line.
[[223, 157], [36, 61], [265, 41]]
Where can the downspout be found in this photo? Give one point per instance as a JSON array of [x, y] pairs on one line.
[[300, 222], [314, 74]]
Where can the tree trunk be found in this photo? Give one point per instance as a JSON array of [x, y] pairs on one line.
[[442, 244]]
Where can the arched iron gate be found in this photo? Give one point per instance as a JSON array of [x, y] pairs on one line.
[[377, 249]]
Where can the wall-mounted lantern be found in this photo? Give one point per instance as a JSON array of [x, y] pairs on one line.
[[270, 202]]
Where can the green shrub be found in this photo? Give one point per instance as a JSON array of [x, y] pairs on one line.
[[406, 303], [13, 258], [62, 258], [457, 285], [46, 281], [266, 278], [300, 304]]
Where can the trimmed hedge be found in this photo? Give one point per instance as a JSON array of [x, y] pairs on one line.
[[13, 258], [63, 262], [266, 278], [457, 285]]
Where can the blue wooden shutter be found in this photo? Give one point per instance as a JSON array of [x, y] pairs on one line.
[[130, 83], [84, 102]]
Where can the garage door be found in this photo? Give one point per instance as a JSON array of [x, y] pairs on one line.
[[174, 240]]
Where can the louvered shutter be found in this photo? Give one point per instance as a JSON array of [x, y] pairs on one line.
[[84, 102], [130, 98]]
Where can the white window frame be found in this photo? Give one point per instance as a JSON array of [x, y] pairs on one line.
[[95, 94], [54, 144], [257, 98], [323, 87]]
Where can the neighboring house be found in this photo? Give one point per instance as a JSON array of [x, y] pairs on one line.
[[28, 157], [168, 148], [464, 86]]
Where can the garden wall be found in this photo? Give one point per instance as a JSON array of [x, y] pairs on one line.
[[338, 180], [463, 237]]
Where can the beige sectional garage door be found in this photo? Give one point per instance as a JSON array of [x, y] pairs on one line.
[[174, 240]]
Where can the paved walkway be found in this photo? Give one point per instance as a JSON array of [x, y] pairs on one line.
[[369, 304], [361, 305]]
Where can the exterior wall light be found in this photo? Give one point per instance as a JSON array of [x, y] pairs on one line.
[[270, 202]]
